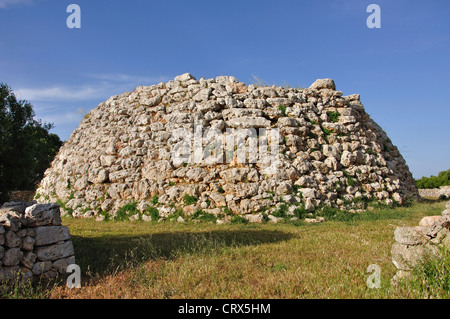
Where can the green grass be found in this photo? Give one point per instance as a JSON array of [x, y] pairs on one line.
[[244, 260], [431, 279]]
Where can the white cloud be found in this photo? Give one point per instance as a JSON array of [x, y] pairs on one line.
[[5, 3], [110, 84], [58, 93]]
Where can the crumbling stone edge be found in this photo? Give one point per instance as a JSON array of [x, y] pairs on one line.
[[33, 241], [414, 244]]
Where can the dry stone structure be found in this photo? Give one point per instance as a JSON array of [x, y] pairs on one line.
[[435, 193], [33, 241], [158, 144], [414, 244]]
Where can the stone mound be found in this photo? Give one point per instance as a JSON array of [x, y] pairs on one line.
[[224, 147]]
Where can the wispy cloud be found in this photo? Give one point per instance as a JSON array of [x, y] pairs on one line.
[[120, 77], [59, 93], [107, 84], [6, 3]]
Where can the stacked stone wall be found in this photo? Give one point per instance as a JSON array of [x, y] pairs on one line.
[[33, 241]]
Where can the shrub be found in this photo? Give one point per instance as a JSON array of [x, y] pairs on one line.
[[153, 212], [206, 217], [155, 199], [443, 179], [239, 220], [126, 211], [190, 200], [333, 116], [300, 212], [281, 212], [351, 181], [282, 108]]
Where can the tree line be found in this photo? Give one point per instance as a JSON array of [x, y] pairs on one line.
[[443, 179]]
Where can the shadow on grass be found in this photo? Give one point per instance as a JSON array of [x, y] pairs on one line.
[[109, 254]]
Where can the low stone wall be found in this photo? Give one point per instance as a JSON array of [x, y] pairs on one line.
[[413, 244], [33, 241], [435, 193]]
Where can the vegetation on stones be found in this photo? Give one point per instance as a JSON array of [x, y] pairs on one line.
[[189, 199], [152, 212], [282, 108], [333, 116], [126, 211], [155, 199]]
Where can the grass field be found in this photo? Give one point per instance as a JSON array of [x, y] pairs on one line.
[[203, 260]]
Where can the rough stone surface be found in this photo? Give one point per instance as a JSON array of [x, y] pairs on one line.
[[145, 143], [414, 244], [54, 252], [32, 241], [435, 193], [46, 235]]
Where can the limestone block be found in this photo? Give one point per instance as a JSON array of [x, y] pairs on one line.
[[43, 214], [46, 235], [54, 252]]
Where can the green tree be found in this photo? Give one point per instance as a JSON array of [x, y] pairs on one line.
[[26, 146], [442, 179]]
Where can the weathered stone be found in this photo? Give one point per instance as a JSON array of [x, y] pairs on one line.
[[248, 122], [255, 218], [62, 264], [27, 243], [54, 252], [308, 192], [314, 220], [9, 273], [180, 219], [274, 220], [12, 257], [43, 214], [28, 259], [12, 240], [323, 84], [427, 221], [409, 236], [406, 257], [164, 139], [41, 267], [46, 235], [10, 220], [219, 200], [184, 77], [18, 207], [442, 222]]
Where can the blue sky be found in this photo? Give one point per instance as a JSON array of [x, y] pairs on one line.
[[401, 70]]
